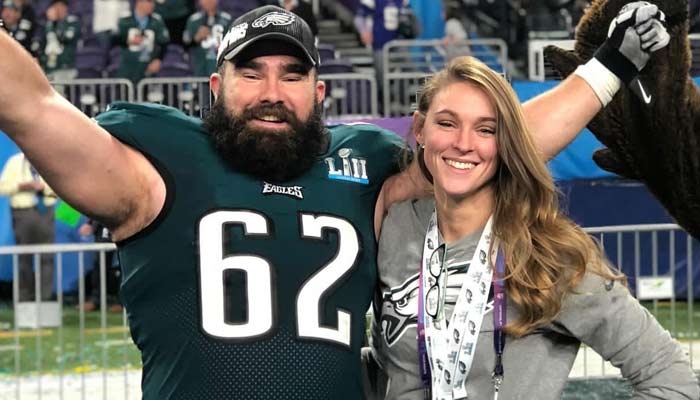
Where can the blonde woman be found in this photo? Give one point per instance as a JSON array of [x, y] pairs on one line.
[[488, 282]]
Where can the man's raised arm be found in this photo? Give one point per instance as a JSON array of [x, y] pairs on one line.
[[558, 116], [84, 164]]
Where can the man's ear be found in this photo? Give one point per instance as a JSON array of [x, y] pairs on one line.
[[320, 91], [215, 82]]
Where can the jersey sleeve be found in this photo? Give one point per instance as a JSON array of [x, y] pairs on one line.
[[162, 35], [72, 32], [159, 132], [384, 148], [121, 35], [393, 147], [190, 29]]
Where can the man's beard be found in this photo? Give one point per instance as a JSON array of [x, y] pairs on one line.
[[269, 155]]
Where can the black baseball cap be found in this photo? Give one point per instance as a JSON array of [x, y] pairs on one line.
[[277, 32]]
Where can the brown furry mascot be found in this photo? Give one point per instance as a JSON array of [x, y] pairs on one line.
[[656, 143]]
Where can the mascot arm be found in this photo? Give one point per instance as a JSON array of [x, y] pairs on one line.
[[655, 141]]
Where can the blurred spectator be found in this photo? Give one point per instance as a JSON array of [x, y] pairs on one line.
[[105, 18], [142, 37], [578, 8], [175, 14], [60, 39], [378, 22], [18, 27], [202, 36], [694, 16], [303, 10], [102, 235], [31, 201], [455, 34]]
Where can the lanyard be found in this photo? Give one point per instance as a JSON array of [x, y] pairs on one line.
[[423, 361], [499, 320], [450, 351]]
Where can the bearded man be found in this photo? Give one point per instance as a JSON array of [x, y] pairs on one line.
[[247, 240]]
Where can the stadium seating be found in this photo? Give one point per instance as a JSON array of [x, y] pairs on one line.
[[326, 51], [174, 69], [90, 62], [335, 66], [237, 7]]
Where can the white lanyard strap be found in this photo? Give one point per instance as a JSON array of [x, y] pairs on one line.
[[451, 350]]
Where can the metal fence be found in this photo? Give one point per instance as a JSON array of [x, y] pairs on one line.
[[92, 96], [661, 266], [406, 64], [191, 95], [538, 68], [55, 350], [75, 359], [350, 96]]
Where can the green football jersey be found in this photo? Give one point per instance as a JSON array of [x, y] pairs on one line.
[[60, 40], [245, 289], [135, 58], [203, 54], [171, 9]]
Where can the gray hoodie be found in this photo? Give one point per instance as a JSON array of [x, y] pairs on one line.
[[600, 314]]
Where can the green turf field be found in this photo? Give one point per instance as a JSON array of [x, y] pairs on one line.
[[684, 323], [64, 349], [112, 348]]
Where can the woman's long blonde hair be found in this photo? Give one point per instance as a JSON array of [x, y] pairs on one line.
[[546, 254]]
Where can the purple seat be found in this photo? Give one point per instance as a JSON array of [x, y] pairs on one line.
[[335, 66], [90, 62], [89, 73], [326, 51], [114, 55], [81, 6], [237, 7], [174, 54], [112, 69], [87, 57], [347, 97], [178, 69]]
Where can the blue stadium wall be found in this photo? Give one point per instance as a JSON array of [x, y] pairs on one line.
[[592, 197]]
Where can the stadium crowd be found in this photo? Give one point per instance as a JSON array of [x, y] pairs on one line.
[[178, 38], [128, 39]]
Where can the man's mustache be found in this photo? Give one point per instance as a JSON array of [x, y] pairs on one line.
[[277, 111]]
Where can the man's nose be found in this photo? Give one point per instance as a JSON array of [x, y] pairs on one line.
[[272, 92]]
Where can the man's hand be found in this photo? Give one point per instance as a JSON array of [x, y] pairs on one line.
[[136, 40], [366, 38], [202, 33], [153, 67], [636, 30], [633, 34]]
